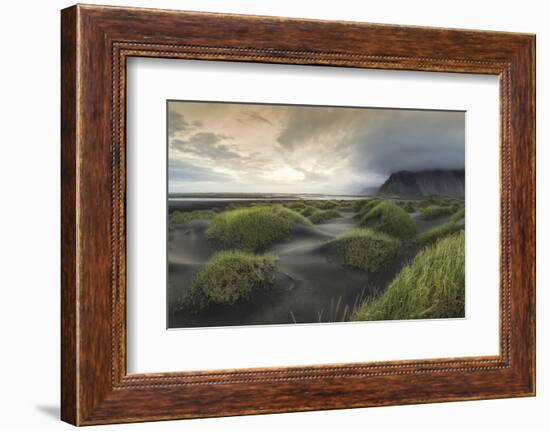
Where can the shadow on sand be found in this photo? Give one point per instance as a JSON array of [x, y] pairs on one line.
[[311, 284]]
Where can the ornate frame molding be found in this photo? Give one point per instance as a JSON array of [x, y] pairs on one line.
[[96, 41]]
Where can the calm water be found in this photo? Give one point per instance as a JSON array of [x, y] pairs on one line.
[[193, 203]]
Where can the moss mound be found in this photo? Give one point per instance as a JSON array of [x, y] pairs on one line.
[[358, 204], [298, 205], [406, 205], [327, 205], [369, 205], [254, 228], [438, 232], [319, 216], [432, 201], [345, 204], [459, 215], [178, 217], [390, 219], [366, 249], [308, 210], [431, 212], [431, 287], [230, 276]]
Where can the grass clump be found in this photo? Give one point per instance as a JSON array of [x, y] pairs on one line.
[[298, 205], [234, 206], [438, 232], [178, 217], [407, 206], [327, 205], [432, 201], [453, 202], [370, 204], [443, 230], [230, 276], [345, 204], [390, 219], [459, 215], [319, 216], [457, 206], [431, 287], [431, 212], [308, 210], [366, 249], [358, 204], [254, 228]]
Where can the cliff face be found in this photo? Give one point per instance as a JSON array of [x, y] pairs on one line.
[[424, 183]]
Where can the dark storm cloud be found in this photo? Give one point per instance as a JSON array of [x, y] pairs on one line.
[[306, 125], [177, 123], [180, 171], [287, 148], [380, 141], [206, 144], [413, 140], [251, 117]]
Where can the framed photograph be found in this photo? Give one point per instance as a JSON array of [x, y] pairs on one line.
[[265, 215], [282, 214]]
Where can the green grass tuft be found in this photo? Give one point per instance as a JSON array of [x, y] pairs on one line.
[[238, 205], [358, 204], [431, 212], [431, 287], [432, 201], [390, 219], [327, 205], [319, 216], [438, 232], [406, 205], [409, 207], [178, 217], [457, 216], [443, 230], [345, 204], [254, 228], [369, 205], [366, 249], [308, 210], [453, 201], [297, 205], [456, 206], [230, 276]]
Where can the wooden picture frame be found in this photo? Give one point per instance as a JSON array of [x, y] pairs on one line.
[[95, 43]]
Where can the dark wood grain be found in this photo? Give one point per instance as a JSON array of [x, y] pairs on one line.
[[96, 41], [69, 367]]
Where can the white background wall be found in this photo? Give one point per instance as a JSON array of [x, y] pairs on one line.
[[29, 228]]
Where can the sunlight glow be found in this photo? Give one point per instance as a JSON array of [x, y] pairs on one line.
[[286, 174]]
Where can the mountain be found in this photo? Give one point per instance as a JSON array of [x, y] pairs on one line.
[[424, 183]]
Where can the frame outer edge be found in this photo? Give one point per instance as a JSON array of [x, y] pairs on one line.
[[523, 213], [532, 80], [69, 197], [88, 397], [533, 54]]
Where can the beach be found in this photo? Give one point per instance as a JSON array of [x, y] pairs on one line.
[[310, 283]]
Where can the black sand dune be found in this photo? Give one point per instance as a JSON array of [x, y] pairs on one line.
[[310, 284], [188, 243]]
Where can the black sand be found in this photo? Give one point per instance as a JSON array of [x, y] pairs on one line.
[[310, 284]]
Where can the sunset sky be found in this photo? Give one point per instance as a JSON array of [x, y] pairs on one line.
[[231, 147]]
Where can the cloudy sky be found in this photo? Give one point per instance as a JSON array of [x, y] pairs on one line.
[[223, 147]]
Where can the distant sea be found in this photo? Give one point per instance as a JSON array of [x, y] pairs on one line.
[[188, 202]]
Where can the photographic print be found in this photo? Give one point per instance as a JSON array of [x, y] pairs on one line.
[[293, 214]]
